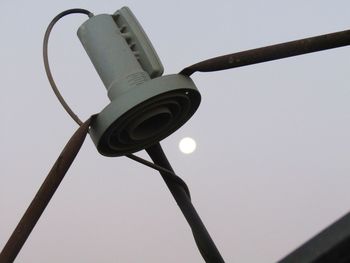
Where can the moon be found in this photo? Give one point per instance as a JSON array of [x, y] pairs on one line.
[[187, 145]]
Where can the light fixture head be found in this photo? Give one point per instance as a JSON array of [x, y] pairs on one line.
[[145, 107], [145, 115]]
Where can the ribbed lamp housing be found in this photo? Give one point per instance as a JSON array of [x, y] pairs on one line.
[[143, 110]]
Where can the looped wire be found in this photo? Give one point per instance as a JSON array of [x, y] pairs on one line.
[[46, 59]]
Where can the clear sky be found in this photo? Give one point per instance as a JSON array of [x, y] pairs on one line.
[[271, 168]]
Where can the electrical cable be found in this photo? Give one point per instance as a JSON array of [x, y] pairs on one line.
[[205, 244], [171, 175], [46, 59]]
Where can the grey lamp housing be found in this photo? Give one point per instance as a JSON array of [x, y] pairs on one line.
[[145, 107]]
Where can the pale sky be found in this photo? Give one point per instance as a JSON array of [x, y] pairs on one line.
[[271, 168]]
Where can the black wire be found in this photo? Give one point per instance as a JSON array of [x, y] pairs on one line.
[[205, 244], [171, 175], [46, 59]]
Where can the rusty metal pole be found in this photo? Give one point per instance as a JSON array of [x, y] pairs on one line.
[[44, 195], [273, 52]]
